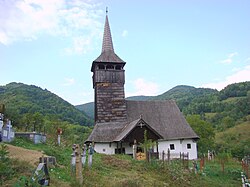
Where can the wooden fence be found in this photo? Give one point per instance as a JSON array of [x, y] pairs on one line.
[[168, 156]]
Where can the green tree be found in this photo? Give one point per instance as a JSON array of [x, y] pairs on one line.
[[33, 122], [147, 144], [223, 158], [204, 130], [38, 121], [27, 121]]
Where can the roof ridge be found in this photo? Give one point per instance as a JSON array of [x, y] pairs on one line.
[[156, 101]]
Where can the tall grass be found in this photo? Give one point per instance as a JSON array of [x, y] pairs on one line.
[[122, 170]]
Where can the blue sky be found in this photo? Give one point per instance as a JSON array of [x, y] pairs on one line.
[[52, 43]]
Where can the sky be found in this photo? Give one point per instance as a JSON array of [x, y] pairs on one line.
[[165, 43]]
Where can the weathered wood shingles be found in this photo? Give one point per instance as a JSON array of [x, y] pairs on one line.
[[110, 102]]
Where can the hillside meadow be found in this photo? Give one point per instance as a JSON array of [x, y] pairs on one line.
[[119, 170]]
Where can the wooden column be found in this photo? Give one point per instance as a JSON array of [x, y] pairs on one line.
[[79, 177], [117, 147], [121, 147]]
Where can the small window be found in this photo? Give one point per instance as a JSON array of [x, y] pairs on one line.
[[104, 150], [189, 146], [171, 146]]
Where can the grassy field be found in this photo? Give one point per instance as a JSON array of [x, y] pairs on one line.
[[122, 170], [236, 134], [235, 140]]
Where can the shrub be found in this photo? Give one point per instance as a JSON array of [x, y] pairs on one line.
[[6, 170]]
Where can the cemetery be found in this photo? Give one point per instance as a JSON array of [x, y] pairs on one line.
[[132, 143], [77, 165]]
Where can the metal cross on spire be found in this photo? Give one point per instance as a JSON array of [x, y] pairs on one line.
[[107, 10]]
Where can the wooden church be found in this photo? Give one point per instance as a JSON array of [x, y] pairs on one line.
[[120, 122]]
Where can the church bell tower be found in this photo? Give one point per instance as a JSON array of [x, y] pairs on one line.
[[108, 82]]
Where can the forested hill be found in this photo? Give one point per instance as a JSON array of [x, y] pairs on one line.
[[221, 108], [21, 99], [184, 95], [183, 91], [88, 108], [233, 102]]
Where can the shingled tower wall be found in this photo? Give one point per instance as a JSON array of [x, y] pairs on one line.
[[108, 82]]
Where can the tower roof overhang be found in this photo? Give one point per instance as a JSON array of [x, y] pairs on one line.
[[108, 54], [107, 57]]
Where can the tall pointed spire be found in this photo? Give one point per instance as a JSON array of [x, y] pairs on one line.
[[108, 53], [107, 44]]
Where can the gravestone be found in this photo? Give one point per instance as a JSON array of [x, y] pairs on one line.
[[8, 133], [73, 163], [91, 152], [1, 125], [84, 154], [41, 175]]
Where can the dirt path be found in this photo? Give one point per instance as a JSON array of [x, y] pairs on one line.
[[23, 154], [32, 157]]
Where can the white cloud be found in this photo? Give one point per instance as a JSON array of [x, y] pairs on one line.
[[69, 82], [239, 76], [229, 59], [231, 55], [124, 33], [26, 20], [247, 60], [80, 45], [144, 87], [235, 69]]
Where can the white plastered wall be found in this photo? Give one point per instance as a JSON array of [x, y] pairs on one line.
[[105, 148], [109, 148], [180, 146]]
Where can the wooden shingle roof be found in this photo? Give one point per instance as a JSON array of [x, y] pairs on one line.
[[108, 53], [109, 56], [164, 118], [130, 126], [105, 132], [107, 44]]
